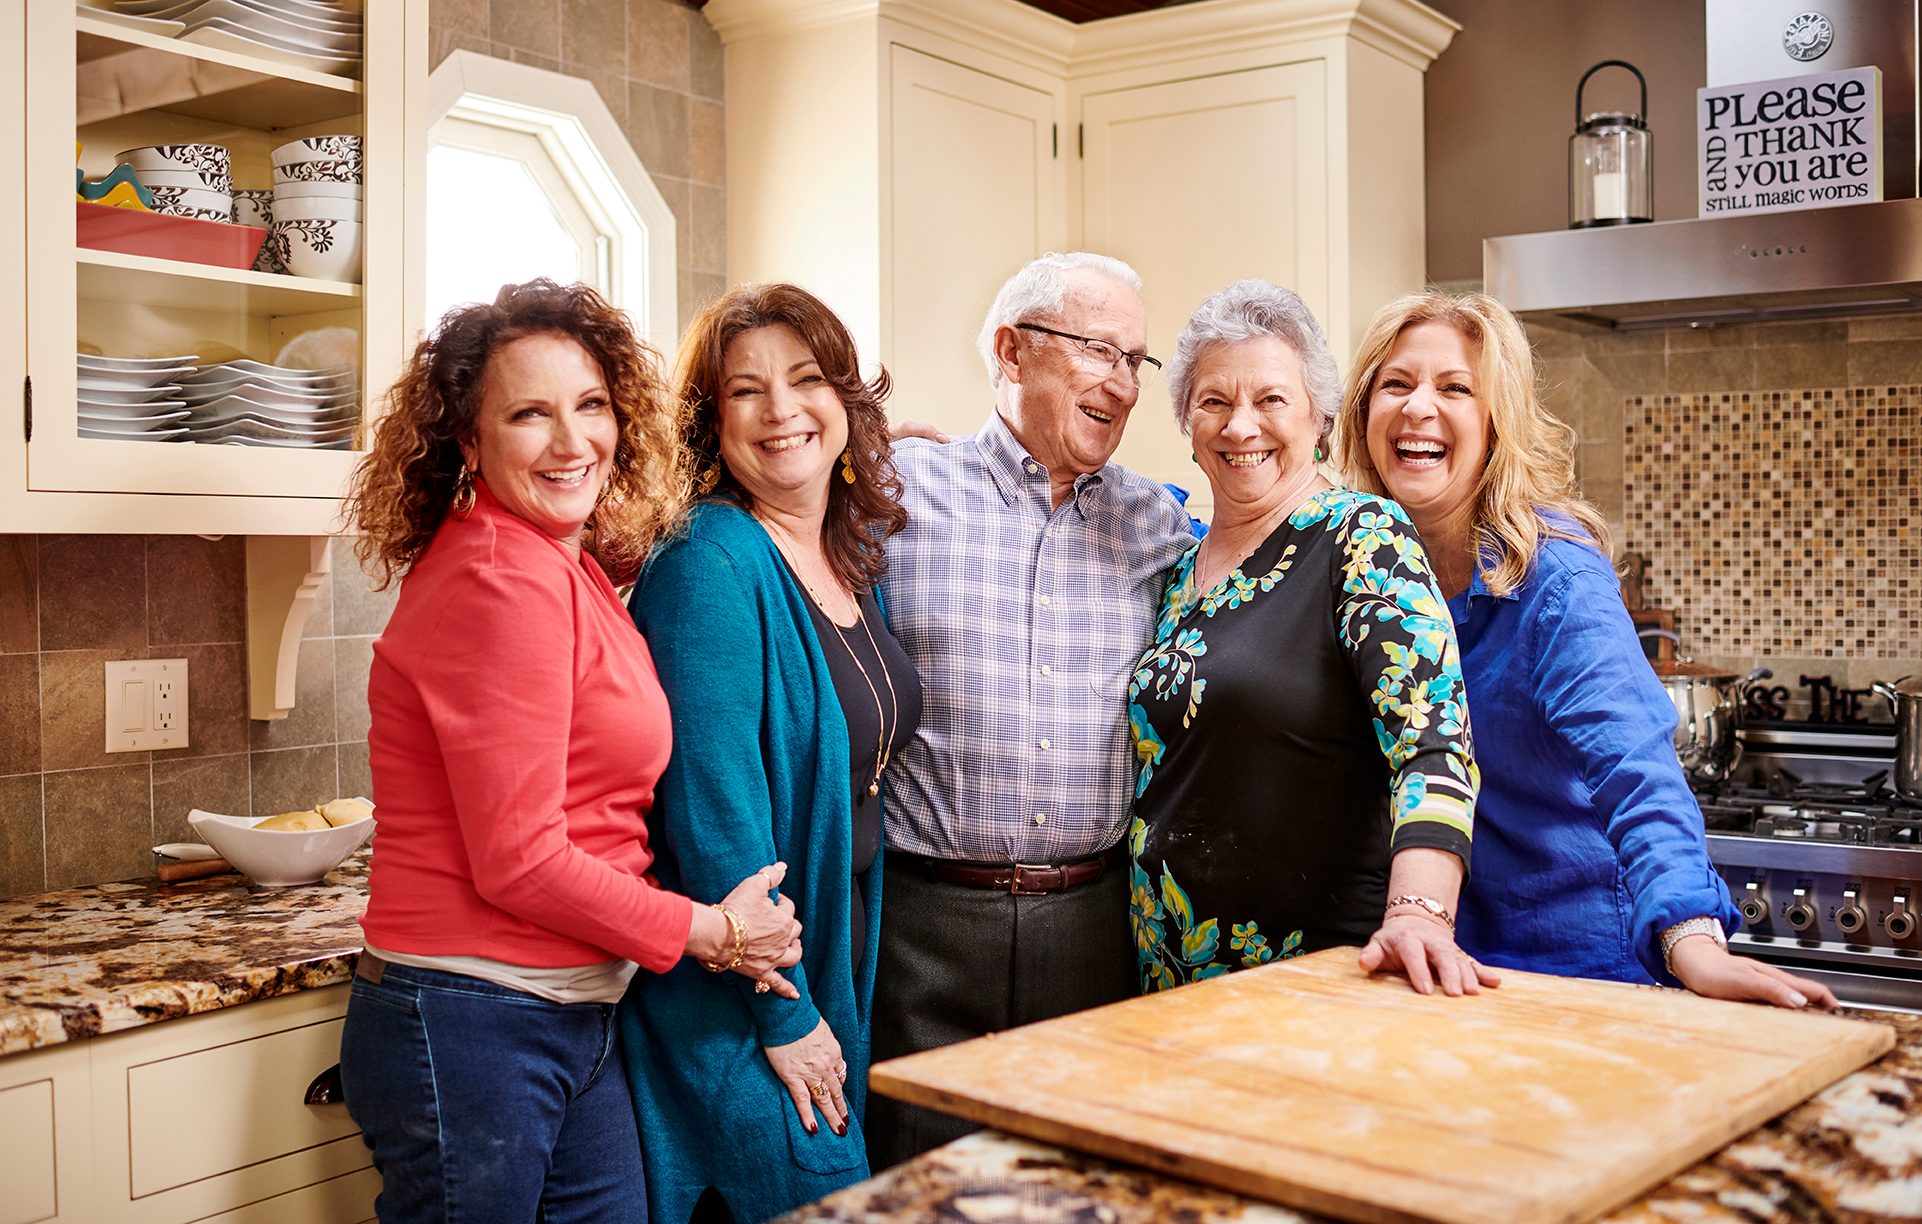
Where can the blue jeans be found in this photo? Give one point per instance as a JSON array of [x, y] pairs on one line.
[[483, 1103]]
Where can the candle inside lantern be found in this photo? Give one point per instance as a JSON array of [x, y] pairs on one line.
[[1611, 194]]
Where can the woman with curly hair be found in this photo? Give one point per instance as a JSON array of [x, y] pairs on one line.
[[1589, 854], [789, 696], [518, 736]]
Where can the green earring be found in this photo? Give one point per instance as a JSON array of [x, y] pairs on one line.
[[1319, 454], [1193, 458]]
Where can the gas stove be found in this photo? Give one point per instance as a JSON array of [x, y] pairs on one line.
[[1823, 859]]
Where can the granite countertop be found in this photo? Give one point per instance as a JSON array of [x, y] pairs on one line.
[[1851, 1154], [86, 961]]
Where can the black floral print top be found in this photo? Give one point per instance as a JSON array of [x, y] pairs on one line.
[[1296, 725]]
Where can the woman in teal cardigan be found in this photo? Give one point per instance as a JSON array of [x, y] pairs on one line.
[[788, 695]]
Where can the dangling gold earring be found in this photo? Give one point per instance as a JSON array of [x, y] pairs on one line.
[[847, 466], [706, 479], [463, 492]]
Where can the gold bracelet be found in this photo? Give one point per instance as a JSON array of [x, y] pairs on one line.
[[739, 929], [1427, 906]]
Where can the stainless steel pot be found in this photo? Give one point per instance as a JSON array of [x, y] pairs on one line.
[[1905, 701], [1708, 710]]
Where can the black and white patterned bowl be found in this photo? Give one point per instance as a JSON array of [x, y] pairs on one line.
[[318, 172], [202, 180], [211, 159], [193, 202], [318, 148], [254, 206], [322, 249]]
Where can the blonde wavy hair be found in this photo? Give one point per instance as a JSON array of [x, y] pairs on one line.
[[403, 488], [1527, 490]]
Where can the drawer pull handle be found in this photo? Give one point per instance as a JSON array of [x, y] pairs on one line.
[[326, 1089]]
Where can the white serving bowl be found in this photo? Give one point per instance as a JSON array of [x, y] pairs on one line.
[[318, 148], [203, 158], [274, 857], [317, 208], [198, 203], [296, 191], [202, 180], [317, 172], [321, 250]]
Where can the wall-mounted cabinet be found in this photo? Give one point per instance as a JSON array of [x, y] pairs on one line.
[[902, 157], [93, 82]]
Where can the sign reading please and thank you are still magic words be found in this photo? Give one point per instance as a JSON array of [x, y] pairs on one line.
[[1799, 142]]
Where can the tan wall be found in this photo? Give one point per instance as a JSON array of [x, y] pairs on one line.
[[70, 813], [1501, 107]]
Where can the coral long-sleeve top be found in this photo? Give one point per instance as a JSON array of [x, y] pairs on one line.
[[518, 731]]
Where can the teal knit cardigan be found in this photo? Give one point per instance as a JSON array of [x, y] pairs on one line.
[[759, 774]]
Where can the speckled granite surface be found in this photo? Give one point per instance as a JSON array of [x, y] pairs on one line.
[[1851, 1155], [86, 961]]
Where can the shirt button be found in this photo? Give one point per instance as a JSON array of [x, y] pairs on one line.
[[1046, 670], [1044, 601], [1041, 818], [1032, 469], [1049, 533], [1045, 745]]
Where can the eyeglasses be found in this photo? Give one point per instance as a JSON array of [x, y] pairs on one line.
[[1100, 353]]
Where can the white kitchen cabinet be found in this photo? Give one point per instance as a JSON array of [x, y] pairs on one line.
[[191, 1119], [108, 88], [887, 154]]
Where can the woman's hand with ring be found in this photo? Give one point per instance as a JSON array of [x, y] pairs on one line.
[[812, 1069], [1425, 950], [773, 935]]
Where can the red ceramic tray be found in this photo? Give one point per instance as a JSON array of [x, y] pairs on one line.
[[132, 231]]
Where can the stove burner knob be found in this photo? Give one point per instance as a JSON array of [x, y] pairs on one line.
[[1900, 924], [1800, 914], [1754, 906], [1851, 917]]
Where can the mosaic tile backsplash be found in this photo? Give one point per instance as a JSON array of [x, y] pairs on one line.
[[1786, 523]]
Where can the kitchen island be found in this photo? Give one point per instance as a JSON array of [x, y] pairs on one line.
[[1852, 1153]]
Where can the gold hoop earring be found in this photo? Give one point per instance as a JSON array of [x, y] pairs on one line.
[[463, 493], [847, 466]]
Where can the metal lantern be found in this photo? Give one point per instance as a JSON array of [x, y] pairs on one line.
[[1610, 162]]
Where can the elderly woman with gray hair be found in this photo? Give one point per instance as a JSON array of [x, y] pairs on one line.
[[1306, 777]]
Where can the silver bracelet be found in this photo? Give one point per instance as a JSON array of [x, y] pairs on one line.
[[1682, 930]]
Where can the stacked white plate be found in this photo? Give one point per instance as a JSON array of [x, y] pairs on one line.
[[251, 403], [323, 35], [132, 398]]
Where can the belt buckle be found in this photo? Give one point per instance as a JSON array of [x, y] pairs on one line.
[[1014, 881]]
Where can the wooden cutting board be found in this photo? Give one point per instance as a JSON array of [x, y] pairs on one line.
[[1309, 1083]]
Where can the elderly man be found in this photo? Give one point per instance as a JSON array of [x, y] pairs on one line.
[[1024, 589]]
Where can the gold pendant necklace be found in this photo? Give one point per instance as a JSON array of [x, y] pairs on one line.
[[881, 750]]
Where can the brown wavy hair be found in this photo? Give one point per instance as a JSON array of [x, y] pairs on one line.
[[404, 486], [860, 515], [1527, 491]]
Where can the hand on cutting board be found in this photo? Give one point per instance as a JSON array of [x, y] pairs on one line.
[[1425, 951], [1709, 970]]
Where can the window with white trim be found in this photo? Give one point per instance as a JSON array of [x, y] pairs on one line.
[[529, 175]]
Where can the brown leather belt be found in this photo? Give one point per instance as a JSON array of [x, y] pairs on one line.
[[370, 967], [1020, 879]]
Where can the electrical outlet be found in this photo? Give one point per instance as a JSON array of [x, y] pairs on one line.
[[146, 704]]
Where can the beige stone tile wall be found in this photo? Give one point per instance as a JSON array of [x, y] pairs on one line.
[[1772, 474], [657, 65], [71, 812]]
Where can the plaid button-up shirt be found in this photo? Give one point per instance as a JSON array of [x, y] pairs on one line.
[[1025, 622]]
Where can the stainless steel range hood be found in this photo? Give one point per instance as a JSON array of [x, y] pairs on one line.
[[1851, 259]]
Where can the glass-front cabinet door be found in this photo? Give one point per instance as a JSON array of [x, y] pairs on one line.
[[216, 198]]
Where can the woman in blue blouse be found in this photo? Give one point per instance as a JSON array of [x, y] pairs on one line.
[[1589, 854], [788, 697]]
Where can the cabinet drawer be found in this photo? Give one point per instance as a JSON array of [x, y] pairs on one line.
[[341, 1200], [207, 1112], [26, 1153]]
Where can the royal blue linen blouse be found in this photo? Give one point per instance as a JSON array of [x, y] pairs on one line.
[[1588, 842]]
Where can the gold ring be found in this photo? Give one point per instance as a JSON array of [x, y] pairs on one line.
[[762, 988], [819, 1091]]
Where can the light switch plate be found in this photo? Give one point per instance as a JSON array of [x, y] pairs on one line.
[[146, 704]]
